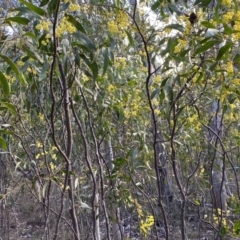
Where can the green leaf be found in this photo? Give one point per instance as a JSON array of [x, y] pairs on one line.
[[117, 3], [81, 46], [119, 162], [76, 183], [44, 188], [162, 95], [31, 54], [236, 228], [75, 23], [77, 58], [9, 106], [52, 6], [130, 38], [236, 3], [21, 20], [22, 10], [236, 61], [205, 47], [213, 66], [207, 24], [155, 93], [92, 65], [173, 8], [3, 143], [43, 3], [156, 5], [15, 69], [223, 230], [31, 35], [228, 29], [175, 26], [211, 32], [94, 68], [43, 72], [106, 60], [4, 84], [85, 41], [34, 8], [119, 112], [3, 131], [168, 91], [84, 205], [202, 3], [223, 50]]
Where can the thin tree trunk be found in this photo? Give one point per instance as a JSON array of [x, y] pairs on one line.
[[164, 181], [114, 209], [218, 180]]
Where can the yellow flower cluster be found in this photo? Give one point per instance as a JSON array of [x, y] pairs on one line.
[[230, 117], [85, 78], [44, 25], [41, 154], [11, 79], [237, 15], [52, 166], [41, 117], [229, 67], [138, 206], [202, 170], [121, 62], [142, 53], [122, 19], [194, 121], [155, 102], [20, 63], [232, 106], [120, 23], [74, 7], [144, 69], [236, 82], [228, 17], [111, 88], [113, 28], [233, 112], [158, 79], [188, 28], [157, 111], [146, 226], [134, 105], [237, 28], [39, 144], [51, 152], [223, 94], [65, 27], [181, 45], [62, 186], [47, 40], [227, 3], [186, 23], [32, 70]]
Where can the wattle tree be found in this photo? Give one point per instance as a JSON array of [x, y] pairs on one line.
[[119, 119]]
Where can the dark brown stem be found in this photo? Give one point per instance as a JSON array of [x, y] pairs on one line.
[[160, 193]]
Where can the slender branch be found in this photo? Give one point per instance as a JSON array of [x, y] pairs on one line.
[[69, 152], [89, 164], [55, 46], [148, 78]]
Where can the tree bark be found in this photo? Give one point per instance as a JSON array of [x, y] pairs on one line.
[[114, 209]]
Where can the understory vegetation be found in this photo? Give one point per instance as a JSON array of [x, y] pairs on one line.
[[119, 119]]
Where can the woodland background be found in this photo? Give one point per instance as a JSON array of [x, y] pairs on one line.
[[119, 119]]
